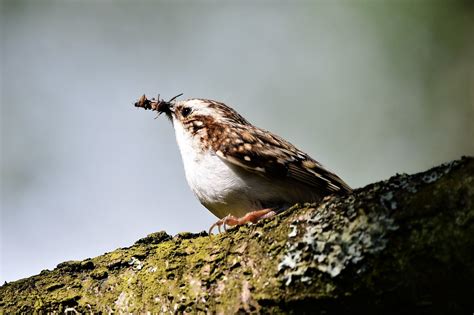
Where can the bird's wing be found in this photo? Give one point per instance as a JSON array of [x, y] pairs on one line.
[[262, 152]]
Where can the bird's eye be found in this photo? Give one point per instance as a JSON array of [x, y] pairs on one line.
[[186, 111]]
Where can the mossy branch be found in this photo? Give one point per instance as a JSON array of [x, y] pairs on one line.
[[404, 244]]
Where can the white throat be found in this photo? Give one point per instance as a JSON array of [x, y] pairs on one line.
[[214, 183]]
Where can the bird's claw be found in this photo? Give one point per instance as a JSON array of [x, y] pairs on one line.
[[252, 217], [222, 222]]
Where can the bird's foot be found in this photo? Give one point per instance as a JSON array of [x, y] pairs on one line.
[[253, 217]]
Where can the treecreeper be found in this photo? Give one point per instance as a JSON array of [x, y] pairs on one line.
[[240, 172]]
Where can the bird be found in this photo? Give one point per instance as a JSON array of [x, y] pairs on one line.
[[239, 172]]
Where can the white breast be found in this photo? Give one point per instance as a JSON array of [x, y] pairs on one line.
[[227, 189], [212, 180]]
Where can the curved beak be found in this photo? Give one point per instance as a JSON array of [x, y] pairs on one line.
[[158, 105], [165, 107]]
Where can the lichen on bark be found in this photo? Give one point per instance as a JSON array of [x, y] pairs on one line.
[[404, 244]]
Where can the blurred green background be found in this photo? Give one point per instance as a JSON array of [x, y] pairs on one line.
[[368, 88]]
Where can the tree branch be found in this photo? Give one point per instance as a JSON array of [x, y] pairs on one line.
[[404, 244]]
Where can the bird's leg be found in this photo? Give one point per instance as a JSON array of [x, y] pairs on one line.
[[253, 217]]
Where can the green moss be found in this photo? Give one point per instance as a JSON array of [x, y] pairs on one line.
[[400, 233]]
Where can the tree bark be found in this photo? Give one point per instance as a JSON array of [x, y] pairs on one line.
[[404, 244]]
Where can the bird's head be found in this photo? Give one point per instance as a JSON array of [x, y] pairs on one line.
[[193, 113]]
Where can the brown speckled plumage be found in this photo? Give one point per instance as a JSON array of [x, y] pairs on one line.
[[241, 173], [237, 141]]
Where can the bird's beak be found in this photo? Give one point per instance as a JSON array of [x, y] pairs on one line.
[[161, 106], [165, 108]]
